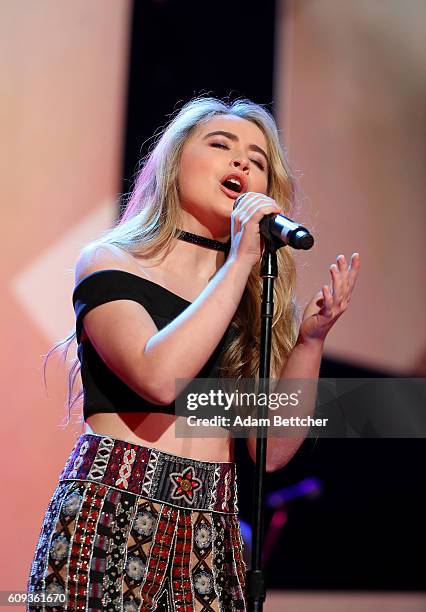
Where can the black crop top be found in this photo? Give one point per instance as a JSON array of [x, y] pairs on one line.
[[103, 390]]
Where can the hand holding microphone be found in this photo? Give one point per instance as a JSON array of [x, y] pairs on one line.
[[277, 229]]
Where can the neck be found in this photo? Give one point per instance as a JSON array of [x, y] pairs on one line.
[[202, 241], [193, 260], [219, 232]]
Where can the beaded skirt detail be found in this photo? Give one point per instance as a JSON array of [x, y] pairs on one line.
[[131, 528]]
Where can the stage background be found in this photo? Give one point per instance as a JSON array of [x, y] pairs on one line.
[[84, 86], [63, 80], [350, 93]]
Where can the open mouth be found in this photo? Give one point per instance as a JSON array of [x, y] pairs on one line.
[[233, 184]]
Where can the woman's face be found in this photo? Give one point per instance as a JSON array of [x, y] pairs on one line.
[[225, 156]]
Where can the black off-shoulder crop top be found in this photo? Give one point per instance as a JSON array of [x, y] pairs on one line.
[[103, 390]]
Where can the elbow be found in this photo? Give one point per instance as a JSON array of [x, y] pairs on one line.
[[162, 388], [280, 460], [273, 467], [160, 396], [276, 457], [156, 383], [161, 400], [271, 464], [165, 399], [159, 392]]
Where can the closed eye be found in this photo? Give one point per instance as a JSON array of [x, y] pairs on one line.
[[219, 145], [258, 164]]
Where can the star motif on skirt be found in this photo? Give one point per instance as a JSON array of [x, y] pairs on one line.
[[185, 484]]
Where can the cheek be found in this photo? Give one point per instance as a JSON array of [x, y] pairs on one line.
[[192, 174], [261, 184], [186, 174], [190, 184]]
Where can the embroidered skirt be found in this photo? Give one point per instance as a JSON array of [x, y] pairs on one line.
[[133, 528]]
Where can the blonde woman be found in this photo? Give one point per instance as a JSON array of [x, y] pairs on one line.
[[141, 519]]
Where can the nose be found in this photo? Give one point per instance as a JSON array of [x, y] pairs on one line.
[[241, 162]]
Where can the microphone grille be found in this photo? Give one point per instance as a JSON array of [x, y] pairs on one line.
[[304, 240]]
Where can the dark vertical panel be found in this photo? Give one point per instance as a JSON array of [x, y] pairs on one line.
[[182, 48]]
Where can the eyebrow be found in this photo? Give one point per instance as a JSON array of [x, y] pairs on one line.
[[235, 138]]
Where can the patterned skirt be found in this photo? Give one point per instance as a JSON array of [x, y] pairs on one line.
[[133, 528]]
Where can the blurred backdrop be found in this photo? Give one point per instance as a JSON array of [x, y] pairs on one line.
[[84, 87]]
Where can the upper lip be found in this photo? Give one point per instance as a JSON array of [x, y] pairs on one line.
[[241, 177]]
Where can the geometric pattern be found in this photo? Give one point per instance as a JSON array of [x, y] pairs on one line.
[[108, 548], [149, 473], [154, 474], [101, 460]]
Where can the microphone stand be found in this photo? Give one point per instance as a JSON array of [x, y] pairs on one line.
[[255, 576]]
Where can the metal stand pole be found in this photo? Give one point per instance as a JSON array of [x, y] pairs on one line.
[[255, 576]]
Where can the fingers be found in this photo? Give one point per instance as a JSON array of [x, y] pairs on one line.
[[343, 280], [353, 270], [337, 284], [327, 305], [253, 207], [249, 198], [250, 201], [257, 212], [343, 269]]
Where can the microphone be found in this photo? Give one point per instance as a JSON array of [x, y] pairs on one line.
[[279, 231]]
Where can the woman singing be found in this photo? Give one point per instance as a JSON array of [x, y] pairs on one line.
[[141, 519]]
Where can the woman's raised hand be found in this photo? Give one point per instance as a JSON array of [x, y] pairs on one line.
[[327, 305], [246, 240]]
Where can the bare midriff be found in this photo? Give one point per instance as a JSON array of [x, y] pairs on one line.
[[151, 429], [157, 430]]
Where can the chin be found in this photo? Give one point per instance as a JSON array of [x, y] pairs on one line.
[[227, 207], [215, 215], [225, 211]]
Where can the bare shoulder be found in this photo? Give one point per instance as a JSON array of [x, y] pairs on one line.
[[102, 257], [118, 329]]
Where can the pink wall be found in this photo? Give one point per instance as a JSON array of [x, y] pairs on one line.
[[351, 93], [64, 70]]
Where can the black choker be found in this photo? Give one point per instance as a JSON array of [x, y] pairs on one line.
[[205, 242]]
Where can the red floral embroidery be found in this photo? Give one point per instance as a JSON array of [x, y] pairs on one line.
[[185, 484]]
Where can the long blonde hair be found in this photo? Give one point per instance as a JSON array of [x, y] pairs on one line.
[[152, 218]]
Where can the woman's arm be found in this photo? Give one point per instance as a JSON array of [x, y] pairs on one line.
[[148, 360], [303, 363], [305, 359]]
